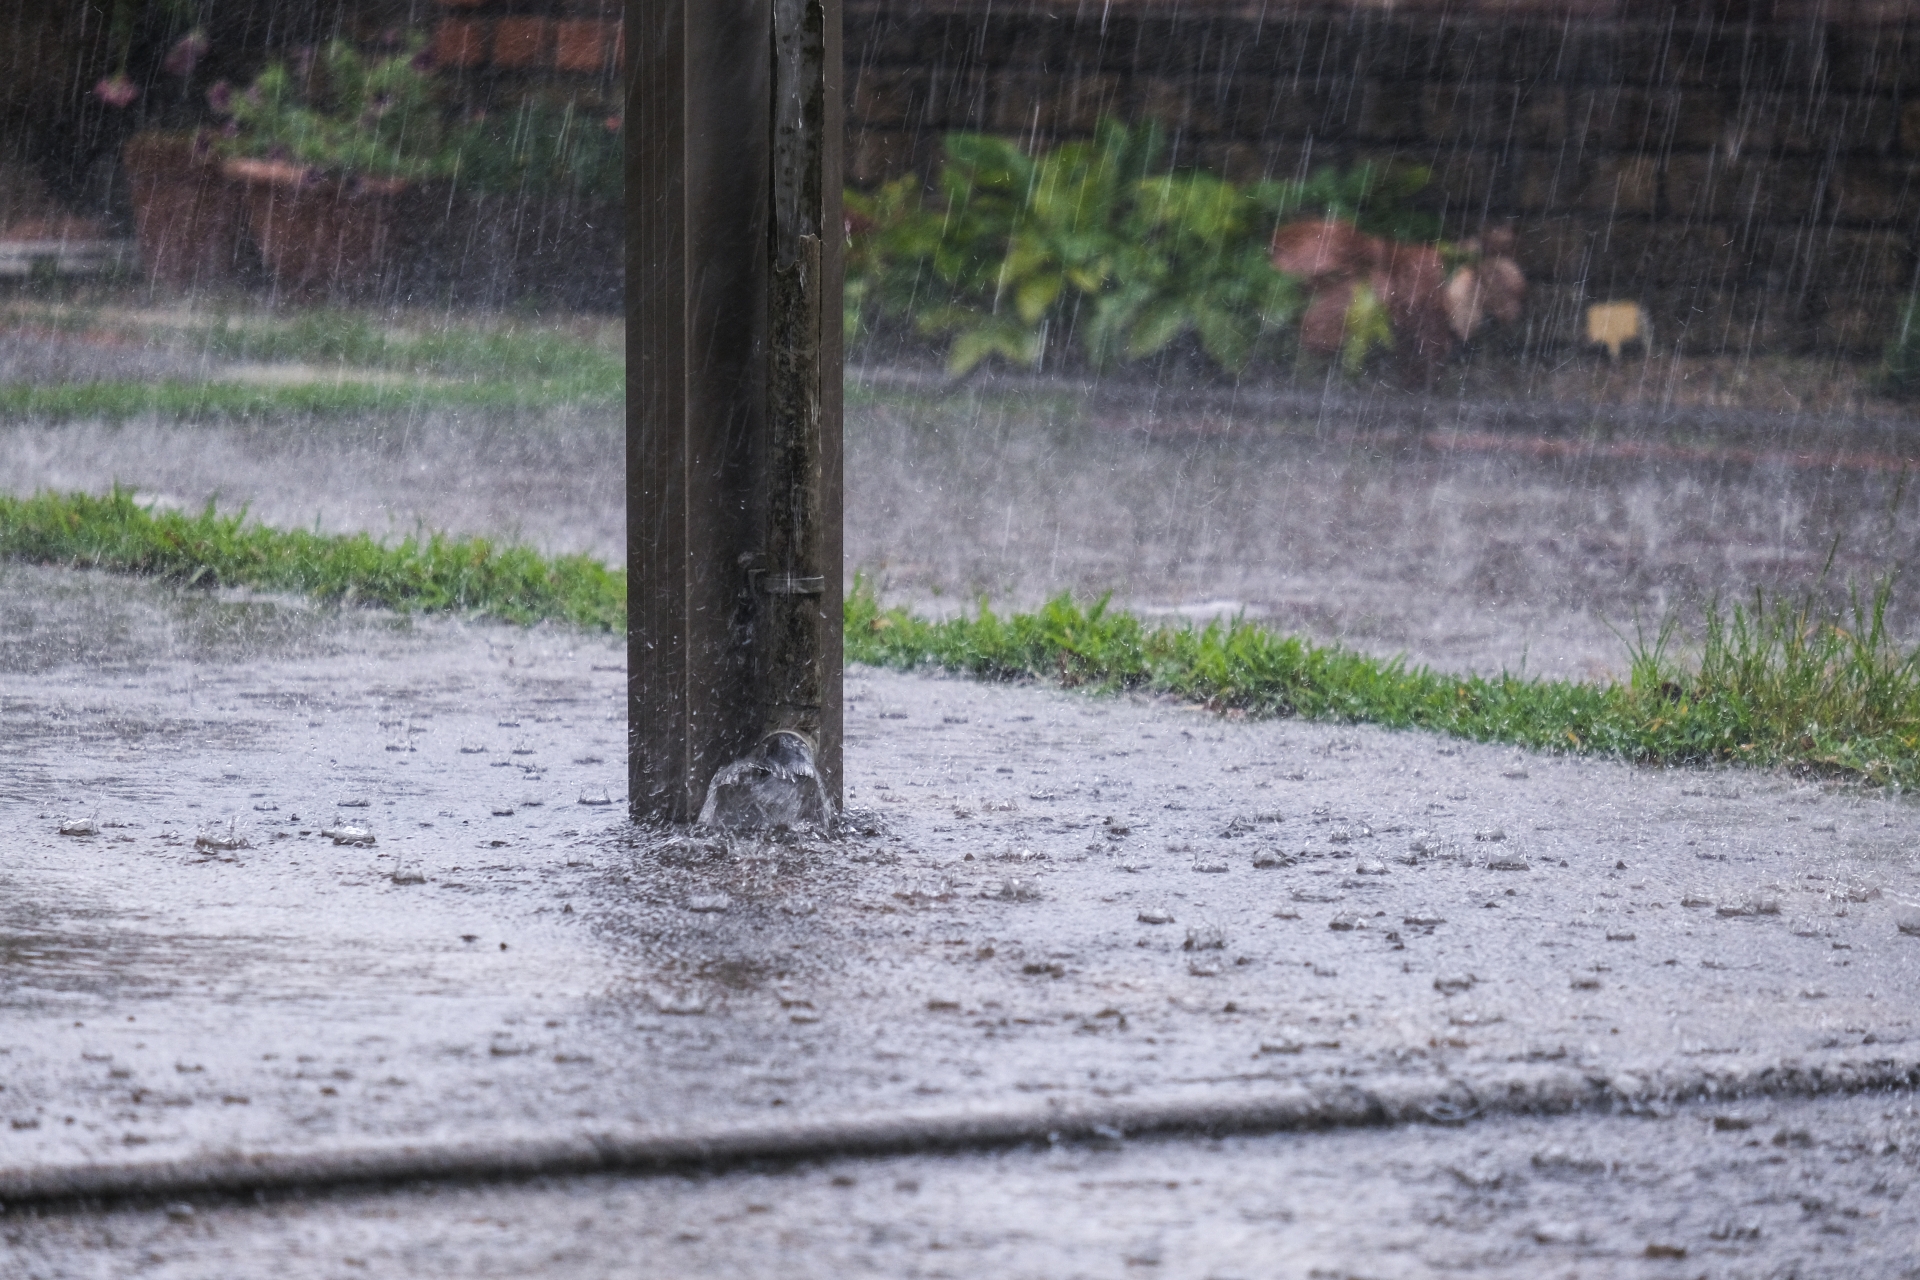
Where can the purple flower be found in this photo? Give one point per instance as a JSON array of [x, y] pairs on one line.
[[116, 91], [220, 98], [231, 129], [422, 61], [186, 53]]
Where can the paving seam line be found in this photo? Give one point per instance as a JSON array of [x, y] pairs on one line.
[[1432, 1099]]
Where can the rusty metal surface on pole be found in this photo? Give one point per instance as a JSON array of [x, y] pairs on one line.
[[733, 404]]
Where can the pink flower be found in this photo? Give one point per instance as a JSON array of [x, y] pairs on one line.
[[186, 52], [614, 124], [116, 91]]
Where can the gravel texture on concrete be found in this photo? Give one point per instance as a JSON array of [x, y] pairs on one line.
[[1784, 1188], [334, 882]]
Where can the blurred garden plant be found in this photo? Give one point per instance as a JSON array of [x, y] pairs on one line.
[[341, 113], [1380, 280], [539, 148], [344, 113], [1100, 245], [1900, 367]]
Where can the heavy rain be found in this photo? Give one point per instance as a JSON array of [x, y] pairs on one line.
[[1363, 723]]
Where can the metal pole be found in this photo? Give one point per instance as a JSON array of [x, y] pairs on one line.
[[733, 401]]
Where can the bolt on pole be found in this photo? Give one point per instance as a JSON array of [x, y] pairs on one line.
[[734, 246]]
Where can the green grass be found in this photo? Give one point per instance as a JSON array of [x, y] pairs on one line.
[[1776, 683], [538, 355], [213, 399], [472, 575], [368, 367]]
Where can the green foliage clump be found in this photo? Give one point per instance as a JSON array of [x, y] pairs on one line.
[[892, 241], [1098, 244], [435, 573], [1900, 366], [1377, 198], [540, 149], [345, 114]]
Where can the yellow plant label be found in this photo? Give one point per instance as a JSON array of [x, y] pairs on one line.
[[1613, 324]]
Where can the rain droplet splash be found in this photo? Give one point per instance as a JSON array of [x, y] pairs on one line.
[[774, 787]]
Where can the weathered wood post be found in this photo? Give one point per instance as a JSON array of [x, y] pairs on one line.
[[734, 241]]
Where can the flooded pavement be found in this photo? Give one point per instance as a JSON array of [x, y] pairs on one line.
[[339, 883], [1467, 538], [1467, 535], [1784, 1188], [554, 478]]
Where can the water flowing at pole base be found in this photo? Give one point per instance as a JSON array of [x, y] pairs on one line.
[[774, 787]]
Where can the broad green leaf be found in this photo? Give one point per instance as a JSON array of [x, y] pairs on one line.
[[1036, 294], [1159, 324], [1225, 338]]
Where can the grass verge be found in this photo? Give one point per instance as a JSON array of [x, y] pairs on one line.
[[473, 575], [361, 366], [1776, 683], [179, 399]]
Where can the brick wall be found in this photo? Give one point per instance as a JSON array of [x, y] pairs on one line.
[[493, 53], [559, 38], [1753, 179]]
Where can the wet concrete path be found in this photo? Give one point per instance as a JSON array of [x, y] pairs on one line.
[[1809, 1189], [1050, 905], [1052, 912]]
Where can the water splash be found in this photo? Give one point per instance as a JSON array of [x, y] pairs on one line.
[[774, 787]]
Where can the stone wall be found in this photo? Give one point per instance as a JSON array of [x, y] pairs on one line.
[[1753, 179]]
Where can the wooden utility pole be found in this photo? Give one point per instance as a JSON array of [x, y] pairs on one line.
[[734, 241]]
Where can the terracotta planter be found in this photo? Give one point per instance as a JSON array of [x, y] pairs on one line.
[[318, 236], [186, 215]]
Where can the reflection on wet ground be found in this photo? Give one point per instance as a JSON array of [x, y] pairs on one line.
[[555, 478], [1467, 537], [110, 625], [50, 356]]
